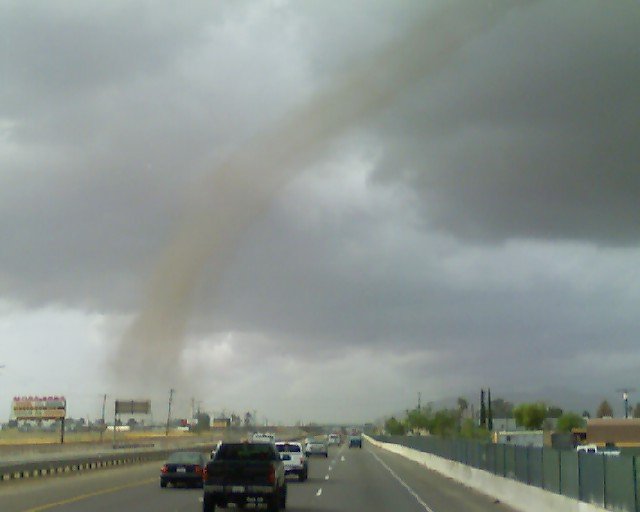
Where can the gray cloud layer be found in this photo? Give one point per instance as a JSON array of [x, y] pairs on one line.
[[485, 219]]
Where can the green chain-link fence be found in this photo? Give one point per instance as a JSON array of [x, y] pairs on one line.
[[608, 481]]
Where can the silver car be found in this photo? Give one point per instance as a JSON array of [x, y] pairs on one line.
[[316, 447]]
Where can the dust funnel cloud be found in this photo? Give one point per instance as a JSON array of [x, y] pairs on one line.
[[235, 193]]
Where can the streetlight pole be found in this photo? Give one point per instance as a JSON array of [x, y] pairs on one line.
[[625, 396]]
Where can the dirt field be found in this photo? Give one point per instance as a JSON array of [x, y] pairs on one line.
[[13, 437]]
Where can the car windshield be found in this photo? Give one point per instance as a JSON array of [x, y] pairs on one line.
[[185, 458]]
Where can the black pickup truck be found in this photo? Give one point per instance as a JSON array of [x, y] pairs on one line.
[[245, 473]]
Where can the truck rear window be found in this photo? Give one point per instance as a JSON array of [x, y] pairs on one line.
[[246, 451], [288, 448]]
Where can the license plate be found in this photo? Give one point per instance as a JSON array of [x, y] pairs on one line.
[[237, 488], [181, 470]]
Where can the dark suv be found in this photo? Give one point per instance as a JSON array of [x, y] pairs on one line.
[[355, 442]]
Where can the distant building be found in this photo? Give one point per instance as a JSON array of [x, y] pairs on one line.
[[510, 425], [520, 438], [505, 425], [221, 422], [619, 431]]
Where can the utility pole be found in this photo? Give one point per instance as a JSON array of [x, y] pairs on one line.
[[419, 399], [171, 392], [625, 396], [489, 411], [103, 426]]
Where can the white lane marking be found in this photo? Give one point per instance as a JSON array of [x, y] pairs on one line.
[[200, 499], [326, 477], [402, 482], [319, 492], [342, 459], [330, 468]]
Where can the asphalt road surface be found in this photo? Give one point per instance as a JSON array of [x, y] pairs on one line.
[[354, 480]]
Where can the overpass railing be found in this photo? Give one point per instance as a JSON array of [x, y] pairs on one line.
[[607, 481]]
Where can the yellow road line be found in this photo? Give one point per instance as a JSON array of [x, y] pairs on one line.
[[90, 495]]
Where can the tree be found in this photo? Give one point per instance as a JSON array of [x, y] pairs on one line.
[[501, 408], [419, 418], [463, 405], [554, 411], [394, 427], [586, 414], [531, 416], [469, 430], [444, 423], [489, 411], [604, 410], [569, 421], [203, 422]]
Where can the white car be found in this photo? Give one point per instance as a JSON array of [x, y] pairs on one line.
[[592, 448], [297, 465], [334, 439], [316, 447]]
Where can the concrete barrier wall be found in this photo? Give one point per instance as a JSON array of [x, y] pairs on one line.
[[522, 497]]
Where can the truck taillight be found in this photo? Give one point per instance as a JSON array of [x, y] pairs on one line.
[[164, 469], [272, 474]]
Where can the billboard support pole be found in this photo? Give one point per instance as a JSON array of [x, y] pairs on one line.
[[103, 427], [62, 430], [115, 412]]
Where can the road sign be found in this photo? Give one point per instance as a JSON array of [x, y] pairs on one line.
[[133, 406]]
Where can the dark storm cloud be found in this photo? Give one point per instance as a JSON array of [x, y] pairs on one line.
[[533, 131], [107, 116], [479, 238]]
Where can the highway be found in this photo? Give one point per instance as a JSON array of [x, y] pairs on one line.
[[362, 480]]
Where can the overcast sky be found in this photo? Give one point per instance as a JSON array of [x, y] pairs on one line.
[[367, 200]]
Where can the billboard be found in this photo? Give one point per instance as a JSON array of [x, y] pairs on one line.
[[133, 406], [39, 407]]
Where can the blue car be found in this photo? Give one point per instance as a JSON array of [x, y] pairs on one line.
[[355, 442]]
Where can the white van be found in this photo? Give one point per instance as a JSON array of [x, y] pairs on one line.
[[263, 437]]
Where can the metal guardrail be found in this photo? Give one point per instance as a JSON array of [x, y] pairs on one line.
[[33, 469], [62, 464]]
